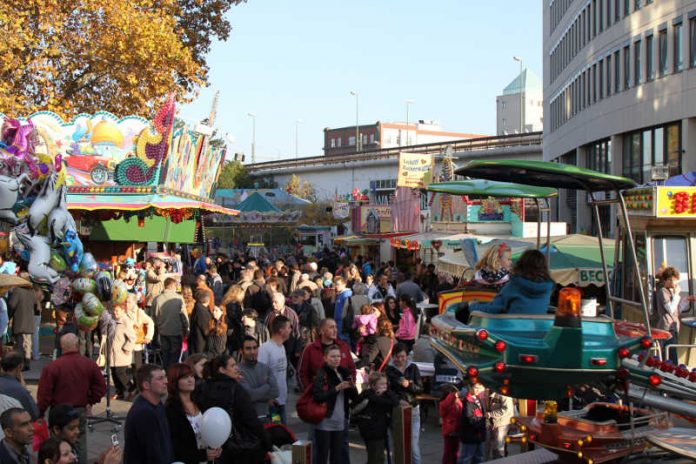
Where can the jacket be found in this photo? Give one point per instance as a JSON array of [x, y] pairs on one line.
[[377, 293], [200, 317], [214, 282], [182, 435], [11, 387], [451, 414], [374, 350], [169, 313], [312, 360], [324, 389], [669, 306], [146, 433], [410, 373], [260, 384], [138, 317], [502, 409], [121, 343], [473, 428], [407, 326], [339, 314], [374, 420], [257, 297], [154, 285], [519, 296], [20, 308]]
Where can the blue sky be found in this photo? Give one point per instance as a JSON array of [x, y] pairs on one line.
[[288, 60]]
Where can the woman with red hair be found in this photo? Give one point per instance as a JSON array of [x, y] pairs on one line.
[[185, 417]]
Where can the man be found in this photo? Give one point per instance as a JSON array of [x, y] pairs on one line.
[[75, 380], [256, 295], [273, 354], [257, 379], [410, 288], [7, 402], [146, 431], [472, 433], [171, 321], [381, 289], [199, 265], [16, 423], [306, 313], [64, 423], [246, 278], [202, 286], [312, 358], [12, 383], [154, 281], [20, 308], [214, 282], [501, 410], [343, 293]]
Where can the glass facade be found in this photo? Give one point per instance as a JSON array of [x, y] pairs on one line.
[[643, 149]]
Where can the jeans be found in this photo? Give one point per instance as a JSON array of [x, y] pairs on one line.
[[449, 453], [415, 435], [470, 453], [171, 349], [35, 354], [496, 442]]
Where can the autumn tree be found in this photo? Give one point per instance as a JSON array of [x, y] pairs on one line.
[[233, 175], [300, 188], [120, 56]]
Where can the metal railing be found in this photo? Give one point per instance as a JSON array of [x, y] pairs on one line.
[[481, 143]]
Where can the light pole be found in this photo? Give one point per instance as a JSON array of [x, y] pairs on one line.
[[519, 58], [357, 127], [408, 103], [297, 137], [253, 137]]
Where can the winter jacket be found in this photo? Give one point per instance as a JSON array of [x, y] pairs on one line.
[[20, 308], [182, 435], [341, 308], [312, 360], [669, 306], [374, 350], [324, 388], [235, 329], [121, 343], [169, 313], [502, 409], [375, 418], [214, 281], [200, 319], [410, 373], [407, 326], [473, 428], [519, 296], [451, 414], [260, 383]]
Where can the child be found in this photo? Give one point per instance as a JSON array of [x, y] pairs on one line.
[[451, 415], [406, 333], [473, 426], [493, 268], [372, 412], [366, 325]]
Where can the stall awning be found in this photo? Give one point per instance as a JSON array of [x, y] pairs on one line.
[[137, 202], [153, 229]]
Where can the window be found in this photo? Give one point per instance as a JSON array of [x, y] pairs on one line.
[[677, 37], [608, 4], [627, 67], [333, 143], [594, 83], [662, 52], [651, 147], [599, 156], [600, 79], [338, 142], [626, 8], [673, 251], [617, 11], [692, 42], [637, 74], [351, 141], [608, 80], [617, 72], [649, 58], [372, 138], [594, 18], [600, 16], [636, 5]]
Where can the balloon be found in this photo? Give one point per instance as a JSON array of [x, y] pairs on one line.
[[103, 279], [88, 265], [72, 250], [85, 322], [84, 285], [92, 305], [61, 291], [215, 427], [119, 292], [57, 262]]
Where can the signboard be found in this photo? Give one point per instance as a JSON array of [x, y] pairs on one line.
[[341, 209], [375, 219], [415, 170], [676, 202], [189, 170]]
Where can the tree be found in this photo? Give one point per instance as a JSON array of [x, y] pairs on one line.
[[302, 189], [233, 175], [120, 56]]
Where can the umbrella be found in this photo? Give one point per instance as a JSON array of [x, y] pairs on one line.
[[9, 280]]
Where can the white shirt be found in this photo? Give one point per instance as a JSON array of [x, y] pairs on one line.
[[274, 357]]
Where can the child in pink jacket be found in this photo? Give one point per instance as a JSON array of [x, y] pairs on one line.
[[451, 415], [407, 326]]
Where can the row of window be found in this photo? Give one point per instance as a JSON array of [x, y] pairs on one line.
[[655, 146], [630, 65], [336, 142], [591, 21], [557, 10]]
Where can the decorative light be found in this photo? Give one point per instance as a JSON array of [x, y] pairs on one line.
[[655, 380], [623, 352], [500, 346], [499, 367], [472, 371], [482, 334], [646, 342]]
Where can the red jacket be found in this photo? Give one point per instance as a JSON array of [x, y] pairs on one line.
[[71, 379], [451, 414], [312, 360]]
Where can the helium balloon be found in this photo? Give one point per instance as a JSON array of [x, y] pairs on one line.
[[72, 250], [61, 291], [84, 285], [57, 262], [91, 304], [119, 292], [104, 286], [85, 322], [88, 265], [215, 427]]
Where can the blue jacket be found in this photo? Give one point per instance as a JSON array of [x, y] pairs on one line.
[[339, 309], [519, 296]]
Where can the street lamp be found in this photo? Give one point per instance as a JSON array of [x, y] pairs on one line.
[[253, 137], [519, 58], [357, 127], [297, 137], [408, 103]]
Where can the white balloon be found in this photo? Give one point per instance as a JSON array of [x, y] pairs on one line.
[[215, 427]]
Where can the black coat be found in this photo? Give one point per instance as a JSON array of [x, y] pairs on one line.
[[412, 374], [374, 350], [224, 392], [374, 420], [473, 429], [200, 317], [235, 329], [324, 388], [183, 438]]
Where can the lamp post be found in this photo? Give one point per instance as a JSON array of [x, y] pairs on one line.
[[297, 136], [253, 137], [408, 103], [357, 127], [519, 58]]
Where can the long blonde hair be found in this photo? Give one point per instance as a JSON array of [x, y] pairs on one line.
[[235, 294], [491, 259]]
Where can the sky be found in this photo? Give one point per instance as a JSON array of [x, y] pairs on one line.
[[299, 60]]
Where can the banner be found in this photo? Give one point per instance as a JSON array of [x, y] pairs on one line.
[[341, 209], [415, 170], [375, 219]]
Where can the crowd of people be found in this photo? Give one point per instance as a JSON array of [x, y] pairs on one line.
[[239, 334]]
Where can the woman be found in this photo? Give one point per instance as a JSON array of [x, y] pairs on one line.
[[197, 363], [216, 340], [334, 386], [378, 354], [254, 328], [392, 311], [221, 389], [144, 329], [406, 333], [669, 306], [56, 451], [185, 417], [189, 301], [121, 342], [232, 302]]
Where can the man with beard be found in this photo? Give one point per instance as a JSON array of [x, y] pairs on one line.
[[257, 379]]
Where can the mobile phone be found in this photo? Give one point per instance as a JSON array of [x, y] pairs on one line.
[[114, 440]]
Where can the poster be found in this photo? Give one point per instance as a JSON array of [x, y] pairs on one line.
[[341, 210], [415, 170], [375, 219]]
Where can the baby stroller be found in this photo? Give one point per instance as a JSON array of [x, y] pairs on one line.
[[279, 435]]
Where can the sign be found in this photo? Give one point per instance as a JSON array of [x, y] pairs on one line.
[[676, 202], [415, 170], [341, 209], [375, 219]]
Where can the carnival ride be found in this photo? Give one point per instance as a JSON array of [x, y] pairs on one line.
[[545, 356]]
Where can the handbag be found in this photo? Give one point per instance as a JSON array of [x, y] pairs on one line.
[[41, 434], [309, 410]]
